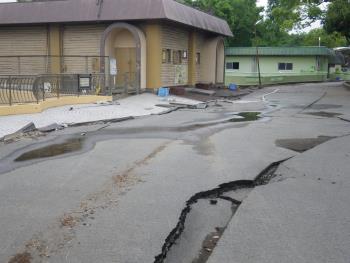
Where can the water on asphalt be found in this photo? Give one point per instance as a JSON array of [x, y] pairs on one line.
[[247, 116], [302, 145], [68, 146]]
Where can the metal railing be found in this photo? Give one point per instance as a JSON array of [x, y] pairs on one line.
[[33, 89], [48, 64]]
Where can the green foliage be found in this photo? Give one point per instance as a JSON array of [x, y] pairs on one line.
[[337, 18], [293, 14], [281, 17], [330, 40], [241, 15]]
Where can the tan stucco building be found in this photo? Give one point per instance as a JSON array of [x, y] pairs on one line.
[[157, 42]]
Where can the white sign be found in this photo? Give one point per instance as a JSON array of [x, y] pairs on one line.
[[84, 82], [47, 87], [113, 66]]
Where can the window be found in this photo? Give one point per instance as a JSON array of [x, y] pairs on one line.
[[177, 56], [232, 65], [198, 58], [285, 66], [166, 56], [184, 54]]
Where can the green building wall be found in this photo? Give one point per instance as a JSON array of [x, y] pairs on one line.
[[304, 70], [340, 76]]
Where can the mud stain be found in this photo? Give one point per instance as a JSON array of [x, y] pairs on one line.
[[69, 146], [60, 233], [302, 145], [21, 258], [324, 114], [209, 245]]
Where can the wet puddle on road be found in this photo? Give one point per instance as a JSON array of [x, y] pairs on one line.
[[324, 114], [246, 116], [302, 145], [325, 106], [69, 146]]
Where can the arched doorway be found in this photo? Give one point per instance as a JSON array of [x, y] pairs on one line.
[[220, 61], [212, 67], [126, 45]]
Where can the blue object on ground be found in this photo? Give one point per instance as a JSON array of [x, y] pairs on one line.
[[232, 87], [163, 92], [338, 79]]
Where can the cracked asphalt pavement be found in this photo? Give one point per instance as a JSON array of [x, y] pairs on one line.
[[118, 195]]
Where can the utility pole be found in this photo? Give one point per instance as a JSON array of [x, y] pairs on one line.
[[257, 56], [258, 64]]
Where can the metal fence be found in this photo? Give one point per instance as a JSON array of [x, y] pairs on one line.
[[33, 78], [33, 89], [44, 64]]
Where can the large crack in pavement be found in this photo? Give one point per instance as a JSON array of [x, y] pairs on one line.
[[234, 193]]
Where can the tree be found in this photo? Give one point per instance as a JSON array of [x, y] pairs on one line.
[[241, 15], [329, 40], [294, 14], [337, 18]]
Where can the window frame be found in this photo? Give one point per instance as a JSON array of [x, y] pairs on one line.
[[198, 58], [177, 57], [235, 66], [166, 56], [285, 66]]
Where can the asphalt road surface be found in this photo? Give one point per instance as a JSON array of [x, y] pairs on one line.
[[115, 192]]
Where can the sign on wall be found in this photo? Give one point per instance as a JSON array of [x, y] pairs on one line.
[[113, 67], [84, 82], [180, 74]]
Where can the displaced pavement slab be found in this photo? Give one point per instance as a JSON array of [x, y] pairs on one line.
[[302, 216]]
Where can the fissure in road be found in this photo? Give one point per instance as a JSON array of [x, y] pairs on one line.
[[229, 192]]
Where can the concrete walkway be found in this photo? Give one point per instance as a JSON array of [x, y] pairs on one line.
[[134, 106]]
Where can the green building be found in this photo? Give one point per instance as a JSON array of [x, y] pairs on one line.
[[277, 65]]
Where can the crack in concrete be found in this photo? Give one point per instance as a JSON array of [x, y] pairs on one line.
[[313, 103], [262, 178]]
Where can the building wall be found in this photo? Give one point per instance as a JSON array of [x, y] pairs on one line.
[[304, 69], [23, 41], [175, 39], [81, 40], [200, 49]]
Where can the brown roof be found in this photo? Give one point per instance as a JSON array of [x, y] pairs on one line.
[[112, 10]]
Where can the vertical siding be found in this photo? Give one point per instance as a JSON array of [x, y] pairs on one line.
[[23, 41], [174, 38], [82, 40]]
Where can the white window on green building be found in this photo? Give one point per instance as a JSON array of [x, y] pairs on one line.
[[285, 66], [232, 65]]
